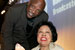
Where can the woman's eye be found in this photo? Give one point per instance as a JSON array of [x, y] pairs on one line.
[[47, 32], [40, 32]]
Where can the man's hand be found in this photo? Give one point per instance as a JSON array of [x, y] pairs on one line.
[[19, 47]]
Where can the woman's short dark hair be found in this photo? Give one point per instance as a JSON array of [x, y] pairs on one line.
[[50, 25]]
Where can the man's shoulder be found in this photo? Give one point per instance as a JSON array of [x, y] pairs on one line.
[[44, 13], [19, 6]]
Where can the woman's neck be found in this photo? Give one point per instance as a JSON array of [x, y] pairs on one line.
[[44, 48]]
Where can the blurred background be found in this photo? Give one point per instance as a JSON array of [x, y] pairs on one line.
[[61, 13]]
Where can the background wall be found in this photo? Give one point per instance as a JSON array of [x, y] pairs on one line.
[[62, 14]]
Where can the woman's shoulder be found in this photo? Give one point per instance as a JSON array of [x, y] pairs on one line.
[[59, 47], [54, 46], [36, 48]]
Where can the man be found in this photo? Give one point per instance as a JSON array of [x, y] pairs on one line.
[[19, 21]]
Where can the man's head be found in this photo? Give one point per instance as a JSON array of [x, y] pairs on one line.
[[35, 7]]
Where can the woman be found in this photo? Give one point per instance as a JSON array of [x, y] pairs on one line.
[[46, 36]]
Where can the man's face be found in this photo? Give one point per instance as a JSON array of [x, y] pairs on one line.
[[34, 9]]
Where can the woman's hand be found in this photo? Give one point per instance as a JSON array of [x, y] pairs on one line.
[[19, 47]]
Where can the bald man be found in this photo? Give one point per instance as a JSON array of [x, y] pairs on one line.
[[19, 22]]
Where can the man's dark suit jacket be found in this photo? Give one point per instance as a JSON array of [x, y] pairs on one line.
[[14, 26]]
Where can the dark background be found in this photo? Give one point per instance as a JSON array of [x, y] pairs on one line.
[[3, 3]]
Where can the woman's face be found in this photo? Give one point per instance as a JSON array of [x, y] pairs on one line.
[[44, 36]]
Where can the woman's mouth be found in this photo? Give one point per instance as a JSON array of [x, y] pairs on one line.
[[43, 39]]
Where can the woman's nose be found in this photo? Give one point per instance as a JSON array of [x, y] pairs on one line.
[[44, 34]]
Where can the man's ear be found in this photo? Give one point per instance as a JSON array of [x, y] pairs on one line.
[[29, 2]]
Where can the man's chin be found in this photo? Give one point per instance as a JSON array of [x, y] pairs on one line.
[[29, 17]]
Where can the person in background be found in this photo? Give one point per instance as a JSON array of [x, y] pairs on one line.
[[46, 36], [19, 22]]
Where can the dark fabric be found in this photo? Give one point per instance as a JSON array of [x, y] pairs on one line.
[[14, 27], [32, 41]]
